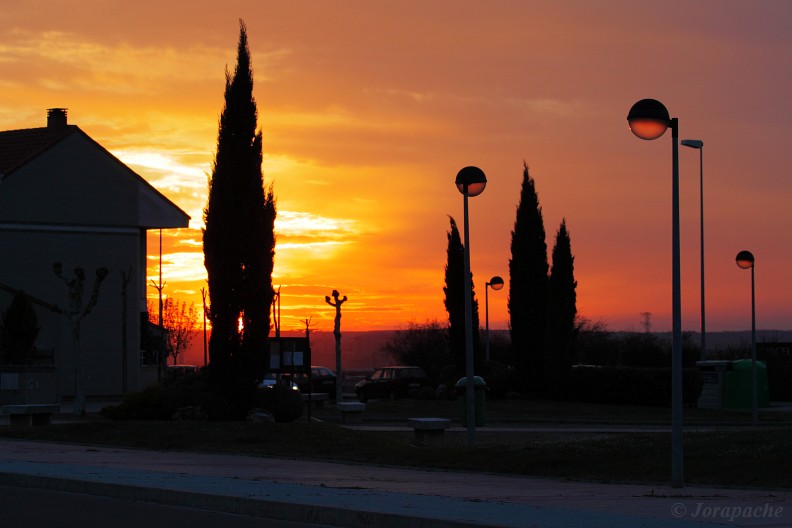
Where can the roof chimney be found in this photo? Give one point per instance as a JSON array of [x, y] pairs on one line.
[[56, 118]]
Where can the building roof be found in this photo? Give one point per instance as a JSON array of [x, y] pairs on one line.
[[17, 147]]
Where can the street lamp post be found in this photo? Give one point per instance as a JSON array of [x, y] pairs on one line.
[[698, 144], [649, 119], [496, 283], [470, 181], [745, 260]]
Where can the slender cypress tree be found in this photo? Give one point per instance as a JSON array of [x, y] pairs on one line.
[[239, 240], [528, 288], [561, 314], [454, 291]]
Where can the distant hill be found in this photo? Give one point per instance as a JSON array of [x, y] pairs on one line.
[[359, 350], [363, 350]]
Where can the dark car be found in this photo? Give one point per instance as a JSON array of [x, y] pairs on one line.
[[322, 380], [392, 383], [271, 379]]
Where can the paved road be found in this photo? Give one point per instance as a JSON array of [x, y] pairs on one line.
[[360, 495], [38, 508]]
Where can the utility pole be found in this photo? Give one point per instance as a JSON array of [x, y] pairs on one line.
[[203, 299], [159, 287], [125, 278]]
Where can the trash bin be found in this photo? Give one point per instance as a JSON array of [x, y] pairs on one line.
[[713, 386], [739, 385], [480, 388]]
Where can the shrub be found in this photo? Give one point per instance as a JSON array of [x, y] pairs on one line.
[[501, 379], [160, 403], [18, 331], [284, 403], [631, 386], [148, 404]]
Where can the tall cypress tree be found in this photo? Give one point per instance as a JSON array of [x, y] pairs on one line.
[[239, 239], [561, 314], [454, 291], [528, 288]]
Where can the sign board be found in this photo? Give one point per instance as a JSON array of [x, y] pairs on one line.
[[290, 354]]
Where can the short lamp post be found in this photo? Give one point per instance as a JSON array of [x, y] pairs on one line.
[[470, 181], [745, 260], [699, 145], [496, 283], [649, 119]]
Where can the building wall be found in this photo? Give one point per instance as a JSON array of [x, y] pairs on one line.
[[29, 256], [78, 205]]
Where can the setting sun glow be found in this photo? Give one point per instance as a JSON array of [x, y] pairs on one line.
[[367, 119]]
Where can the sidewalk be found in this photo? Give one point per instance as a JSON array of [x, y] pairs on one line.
[[338, 494]]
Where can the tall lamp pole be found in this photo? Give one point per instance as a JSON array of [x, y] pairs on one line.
[[649, 119], [699, 145], [496, 283], [470, 181], [745, 260]]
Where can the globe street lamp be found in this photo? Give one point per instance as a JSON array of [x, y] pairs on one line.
[[470, 181], [698, 144], [496, 283], [745, 260], [649, 119]]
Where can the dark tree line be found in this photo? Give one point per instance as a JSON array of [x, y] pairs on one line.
[[542, 306], [542, 300]]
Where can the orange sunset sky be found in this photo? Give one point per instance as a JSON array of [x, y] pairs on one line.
[[369, 109]]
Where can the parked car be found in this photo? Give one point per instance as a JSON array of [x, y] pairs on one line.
[[392, 383], [271, 379], [322, 380]]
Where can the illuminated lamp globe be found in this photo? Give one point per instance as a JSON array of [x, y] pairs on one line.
[[471, 181], [745, 259], [648, 119], [496, 283]]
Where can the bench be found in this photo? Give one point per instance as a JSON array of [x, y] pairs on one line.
[[424, 427], [317, 398], [29, 414], [351, 412]]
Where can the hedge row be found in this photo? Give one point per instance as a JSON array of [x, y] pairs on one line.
[[631, 385]]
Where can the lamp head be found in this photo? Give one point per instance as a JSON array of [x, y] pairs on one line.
[[648, 119], [692, 143], [471, 181], [496, 283], [745, 259]]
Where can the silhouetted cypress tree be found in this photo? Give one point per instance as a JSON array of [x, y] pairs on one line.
[[454, 291], [561, 314], [239, 240], [528, 288]]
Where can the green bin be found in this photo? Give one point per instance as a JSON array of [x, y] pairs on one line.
[[480, 388], [739, 385]]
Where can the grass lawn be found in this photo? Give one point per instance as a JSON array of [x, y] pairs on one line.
[[725, 457]]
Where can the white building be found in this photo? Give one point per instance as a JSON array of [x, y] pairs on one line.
[[64, 198]]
